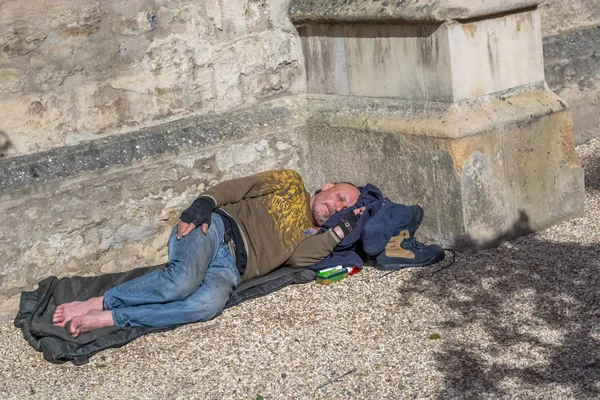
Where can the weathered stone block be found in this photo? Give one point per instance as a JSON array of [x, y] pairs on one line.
[[448, 62], [476, 167]]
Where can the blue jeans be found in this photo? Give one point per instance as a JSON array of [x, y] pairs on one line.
[[194, 286]]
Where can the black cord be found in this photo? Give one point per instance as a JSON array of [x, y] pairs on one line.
[[391, 272], [451, 262]]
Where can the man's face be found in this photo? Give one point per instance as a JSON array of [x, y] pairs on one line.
[[331, 199]]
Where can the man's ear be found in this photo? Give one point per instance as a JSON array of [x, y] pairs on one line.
[[327, 186]]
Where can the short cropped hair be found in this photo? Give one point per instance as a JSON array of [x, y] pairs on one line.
[[347, 183]]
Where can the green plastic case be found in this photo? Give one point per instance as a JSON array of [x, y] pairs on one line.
[[332, 278]]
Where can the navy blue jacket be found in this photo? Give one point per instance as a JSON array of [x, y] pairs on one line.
[[346, 252]]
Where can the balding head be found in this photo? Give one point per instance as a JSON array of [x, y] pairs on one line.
[[333, 197]]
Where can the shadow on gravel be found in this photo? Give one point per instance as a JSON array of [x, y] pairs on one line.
[[591, 165], [518, 296], [523, 319]]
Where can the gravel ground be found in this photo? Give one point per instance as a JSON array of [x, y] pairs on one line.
[[518, 321]]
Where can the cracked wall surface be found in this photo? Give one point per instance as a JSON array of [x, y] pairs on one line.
[[561, 16], [71, 71]]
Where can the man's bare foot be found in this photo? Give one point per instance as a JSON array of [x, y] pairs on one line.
[[65, 312], [92, 320]]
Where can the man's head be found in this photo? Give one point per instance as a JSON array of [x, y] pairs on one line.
[[332, 198]]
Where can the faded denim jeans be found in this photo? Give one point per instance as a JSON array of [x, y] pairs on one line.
[[194, 286]]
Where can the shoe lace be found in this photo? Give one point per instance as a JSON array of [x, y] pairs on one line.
[[414, 243]]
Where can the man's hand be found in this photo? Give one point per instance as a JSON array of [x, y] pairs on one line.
[[184, 228], [198, 214], [348, 222]]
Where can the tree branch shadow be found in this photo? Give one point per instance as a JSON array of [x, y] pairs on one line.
[[522, 314], [533, 307]]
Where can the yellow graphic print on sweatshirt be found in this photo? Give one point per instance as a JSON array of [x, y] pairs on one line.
[[288, 206]]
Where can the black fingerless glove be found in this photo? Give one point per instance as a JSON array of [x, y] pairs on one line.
[[199, 212], [348, 222]]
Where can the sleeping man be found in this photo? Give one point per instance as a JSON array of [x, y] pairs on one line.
[[242, 229], [235, 231]]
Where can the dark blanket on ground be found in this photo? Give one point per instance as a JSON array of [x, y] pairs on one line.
[[37, 308]]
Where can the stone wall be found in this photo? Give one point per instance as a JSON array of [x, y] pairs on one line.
[[572, 59], [114, 116], [572, 67], [73, 70]]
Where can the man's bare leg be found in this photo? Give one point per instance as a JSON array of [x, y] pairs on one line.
[[66, 312], [92, 320]]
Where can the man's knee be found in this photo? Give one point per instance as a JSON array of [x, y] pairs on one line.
[[180, 282], [213, 299], [204, 311]]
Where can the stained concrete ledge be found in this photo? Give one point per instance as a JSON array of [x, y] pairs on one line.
[[181, 136], [436, 119], [301, 11], [572, 68]]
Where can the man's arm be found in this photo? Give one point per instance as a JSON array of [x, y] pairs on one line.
[[263, 183], [233, 191], [315, 248]]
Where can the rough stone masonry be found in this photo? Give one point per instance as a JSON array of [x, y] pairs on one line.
[[114, 116], [74, 70]]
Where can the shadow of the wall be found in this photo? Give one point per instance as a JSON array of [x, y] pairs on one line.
[[521, 227]]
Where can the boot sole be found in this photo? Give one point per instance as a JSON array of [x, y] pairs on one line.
[[391, 267]]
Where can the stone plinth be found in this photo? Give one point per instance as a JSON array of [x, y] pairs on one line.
[[447, 62], [478, 168], [443, 104]]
